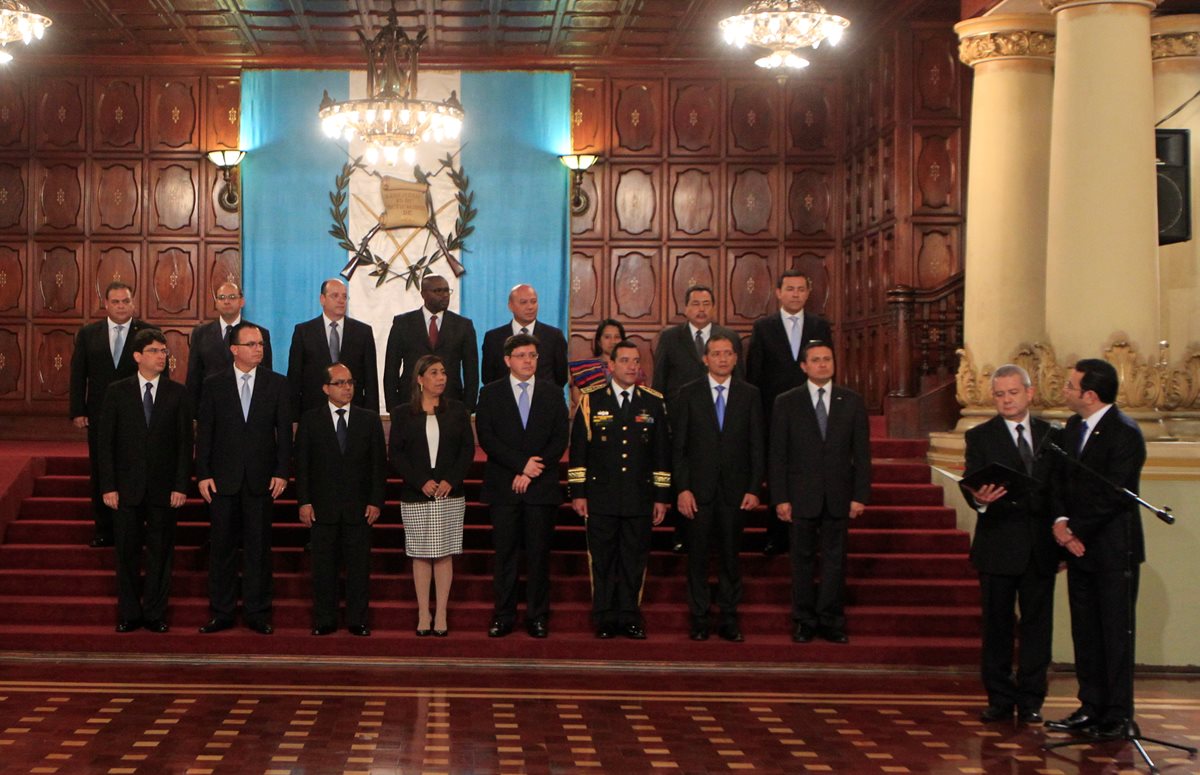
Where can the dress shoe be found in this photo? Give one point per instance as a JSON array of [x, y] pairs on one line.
[[441, 633], [833, 635], [1107, 730], [129, 625], [677, 546], [699, 632], [324, 629], [1077, 720], [634, 631], [359, 630], [731, 633], [537, 628], [772, 549], [216, 625], [1029, 716], [996, 713], [606, 632], [99, 541], [157, 625], [804, 633], [499, 629], [424, 633], [262, 628]]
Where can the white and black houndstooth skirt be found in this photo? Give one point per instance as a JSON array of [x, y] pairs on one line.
[[433, 528]]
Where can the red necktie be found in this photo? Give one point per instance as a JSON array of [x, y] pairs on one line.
[[433, 333]]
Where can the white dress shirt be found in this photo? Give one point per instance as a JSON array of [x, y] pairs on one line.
[[705, 332], [516, 327], [812, 393], [333, 411], [516, 389], [153, 383], [712, 388]]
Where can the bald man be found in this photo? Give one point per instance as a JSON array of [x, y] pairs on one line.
[[552, 345]]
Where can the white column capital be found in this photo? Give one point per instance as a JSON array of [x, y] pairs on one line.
[[1175, 36], [1054, 6], [1006, 36]]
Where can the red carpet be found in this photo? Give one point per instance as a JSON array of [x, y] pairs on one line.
[[912, 599]]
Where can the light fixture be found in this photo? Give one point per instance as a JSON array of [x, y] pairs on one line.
[[17, 22], [783, 27], [227, 161], [392, 121], [578, 163]]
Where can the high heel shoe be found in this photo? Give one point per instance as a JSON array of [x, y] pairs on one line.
[[423, 633], [441, 633]]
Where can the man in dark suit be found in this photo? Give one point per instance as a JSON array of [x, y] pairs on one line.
[[1102, 533], [341, 473], [719, 466], [820, 478], [103, 353], [522, 426], [620, 482], [773, 361], [552, 345], [209, 352], [1013, 551], [432, 330], [243, 446], [327, 339], [145, 462]]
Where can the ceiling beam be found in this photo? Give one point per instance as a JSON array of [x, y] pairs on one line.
[[240, 22], [298, 12], [101, 9], [685, 22], [560, 12], [627, 8], [167, 9]]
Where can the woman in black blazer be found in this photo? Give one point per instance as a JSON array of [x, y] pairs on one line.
[[432, 502]]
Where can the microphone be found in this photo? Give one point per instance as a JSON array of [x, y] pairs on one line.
[[1045, 444]]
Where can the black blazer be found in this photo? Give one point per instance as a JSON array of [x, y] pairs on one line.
[[1095, 513], [552, 353], [409, 340], [338, 485], [509, 446], [209, 354], [814, 474], [676, 362], [145, 464], [233, 450], [410, 449], [769, 362], [711, 461], [92, 365], [309, 357], [1013, 533]]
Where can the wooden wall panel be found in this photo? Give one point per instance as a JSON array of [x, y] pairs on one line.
[[59, 198], [12, 363], [753, 109], [115, 263], [636, 296], [637, 118], [636, 209], [179, 345], [750, 284], [117, 196], [590, 224], [172, 274], [174, 108], [223, 109], [60, 114], [117, 115], [585, 297], [14, 113], [810, 203], [690, 267], [695, 200], [12, 196], [58, 280], [696, 118], [218, 222], [752, 200], [589, 115], [222, 264], [12, 280], [811, 121], [52, 364], [174, 191]]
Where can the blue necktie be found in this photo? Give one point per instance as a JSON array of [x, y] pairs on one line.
[[148, 403], [794, 336], [822, 414], [119, 345], [343, 433], [523, 403], [245, 396], [721, 407], [1083, 436]]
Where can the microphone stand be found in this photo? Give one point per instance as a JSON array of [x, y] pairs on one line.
[[1131, 732]]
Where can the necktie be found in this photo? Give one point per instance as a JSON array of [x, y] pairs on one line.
[[624, 402], [523, 403], [794, 335], [699, 344], [1083, 435], [228, 331], [822, 413], [118, 345], [246, 396], [433, 333], [335, 343], [721, 407], [524, 330], [342, 432], [1024, 450], [148, 403]]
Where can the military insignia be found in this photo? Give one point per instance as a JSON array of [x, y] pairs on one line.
[[644, 418], [602, 417], [595, 387], [576, 475], [651, 391], [662, 479]]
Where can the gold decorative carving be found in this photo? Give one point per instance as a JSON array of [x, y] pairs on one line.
[[1001, 45], [1175, 44], [635, 117], [578, 117]]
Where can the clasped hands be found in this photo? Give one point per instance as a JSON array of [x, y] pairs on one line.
[[209, 486], [113, 499], [308, 516], [784, 511], [533, 469], [686, 503], [1066, 539]]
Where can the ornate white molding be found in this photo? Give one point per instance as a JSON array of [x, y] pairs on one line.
[[1057, 5], [1007, 44], [1171, 45]]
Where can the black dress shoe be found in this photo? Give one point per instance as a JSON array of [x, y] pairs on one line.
[[1029, 716], [262, 628], [1108, 730], [537, 629], [772, 549], [996, 713], [324, 629], [834, 636], [216, 625], [1077, 720], [359, 630], [731, 633], [129, 625], [499, 629], [157, 625], [699, 632], [441, 633], [804, 633], [634, 631], [677, 547], [424, 633], [99, 541], [606, 632]]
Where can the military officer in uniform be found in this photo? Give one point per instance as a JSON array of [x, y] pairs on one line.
[[621, 485]]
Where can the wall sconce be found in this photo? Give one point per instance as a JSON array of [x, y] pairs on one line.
[[227, 162], [578, 163]]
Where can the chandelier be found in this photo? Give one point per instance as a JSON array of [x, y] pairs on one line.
[[783, 27], [392, 121], [17, 22]]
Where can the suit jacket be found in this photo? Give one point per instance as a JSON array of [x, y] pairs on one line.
[[676, 362], [409, 340], [815, 474], [769, 362], [1013, 533], [1095, 513], [552, 353], [233, 450], [409, 448], [309, 357], [92, 365], [340, 485], [712, 461], [509, 446], [209, 354], [145, 464]]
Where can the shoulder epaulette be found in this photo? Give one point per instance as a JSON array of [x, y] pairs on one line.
[[594, 388], [651, 391]]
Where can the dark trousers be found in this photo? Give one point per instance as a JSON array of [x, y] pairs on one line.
[[826, 607], [153, 527], [1034, 593], [778, 532], [1100, 620], [619, 548], [351, 543], [716, 526], [247, 516], [513, 523], [102, 515]]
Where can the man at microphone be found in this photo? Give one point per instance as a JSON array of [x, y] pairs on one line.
[[1013, 551]]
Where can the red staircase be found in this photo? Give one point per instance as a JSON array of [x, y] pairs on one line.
[[913, 597]]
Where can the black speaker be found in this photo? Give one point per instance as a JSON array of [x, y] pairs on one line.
[[1174, 186]]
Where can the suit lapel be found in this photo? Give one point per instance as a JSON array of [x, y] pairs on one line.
[[1008, 447]]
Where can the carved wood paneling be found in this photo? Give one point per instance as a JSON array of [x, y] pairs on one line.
[[53, 346], [694, 200], [589, 118], [635, 284], [60, 196], [173, 279], [887, 177], [636, 211], [585, 285], [174, 107], [12, 279], [751, 284], [117, 116], [117, 196], [60, 102], [223, 263], [689, 267], [179, 345], [816, 263], [695, 117], [115, 263], [753, 111], [223, 109], [174, 188], [638, 118], [937, 254], [12, 363], [579, 344], [645, 344], [14, 115], [935, 171], [936, 76], [810, 203], [810, 119], [752, 198], [58, 280], [12, 196], [218, 222]]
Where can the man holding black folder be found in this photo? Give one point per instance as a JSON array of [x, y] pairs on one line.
[[1013, 549]]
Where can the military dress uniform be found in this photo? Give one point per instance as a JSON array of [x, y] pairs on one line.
[[620, 461]]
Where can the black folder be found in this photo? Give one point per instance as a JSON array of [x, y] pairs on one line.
[[1016, 482]]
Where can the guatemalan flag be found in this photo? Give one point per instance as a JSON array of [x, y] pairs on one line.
[[515, 126]]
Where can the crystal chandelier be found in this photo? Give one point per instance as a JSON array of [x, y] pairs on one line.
[[17, 22], [392, 121], [783, 27]]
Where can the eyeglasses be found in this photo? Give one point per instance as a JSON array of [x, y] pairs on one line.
[[341, 383], [441, 291], [156, 351], [228, 296], [257, 344], [524, 356]]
